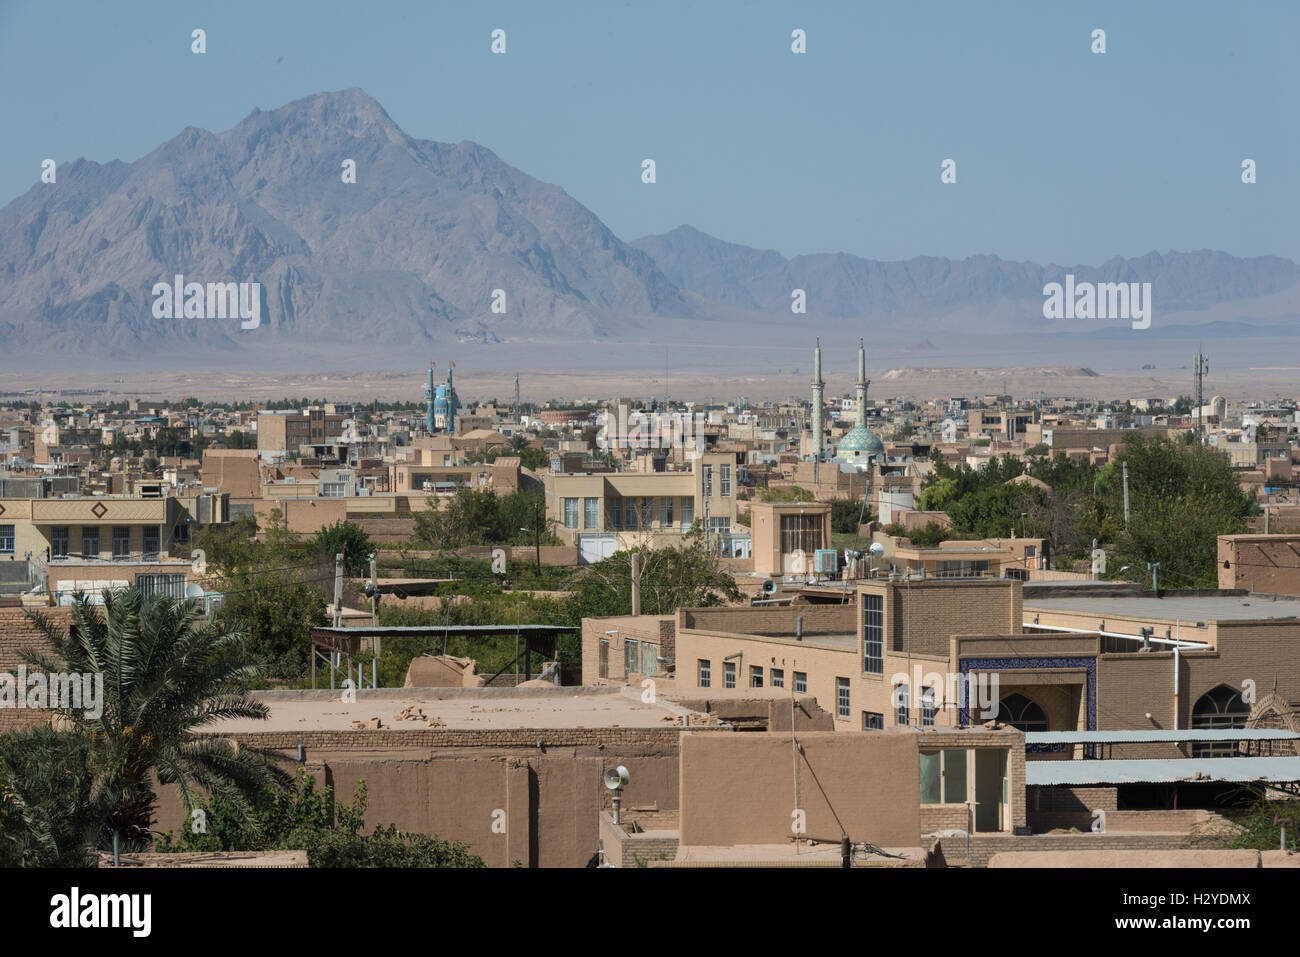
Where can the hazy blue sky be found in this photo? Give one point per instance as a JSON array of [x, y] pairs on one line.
[[1062, 155]]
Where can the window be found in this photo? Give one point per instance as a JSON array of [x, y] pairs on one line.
[[152, 542], [631, 655], [725, 475], [943, 776], [1022, 713], [802, 533], [1220, 708], [801, 682], [778, 677], [873, 721], [89, 542], [59, 542], [665, 512], [629, 513], [570, 513], [649, 658], [688, 512], [604, 658], [728, 674], [333, 489], [173, 586], [706, 672], [901, 693], [873, 642], [756, 676], [927, 708], [842, 698], [590, 513], [708, 481], [961, 569], [121, 542], [6, 539]]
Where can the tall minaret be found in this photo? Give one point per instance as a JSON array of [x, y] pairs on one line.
[[819, 434], [862, 386]]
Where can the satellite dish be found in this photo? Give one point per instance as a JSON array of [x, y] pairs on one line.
[[616, 778], [194, 590], [877, 550], [769, 587]]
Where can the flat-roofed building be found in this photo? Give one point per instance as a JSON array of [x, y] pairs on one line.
[[288, 430], [605, 512]]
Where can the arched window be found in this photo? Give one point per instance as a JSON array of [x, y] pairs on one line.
[[1219, 708], [1022, 713]]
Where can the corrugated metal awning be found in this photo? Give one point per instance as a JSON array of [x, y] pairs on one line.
[[1156, 735], [1276, 770]]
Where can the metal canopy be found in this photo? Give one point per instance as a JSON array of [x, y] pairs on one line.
[[1157, 735], [1274, 770]]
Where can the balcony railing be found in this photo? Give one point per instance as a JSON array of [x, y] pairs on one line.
[[126, 557]]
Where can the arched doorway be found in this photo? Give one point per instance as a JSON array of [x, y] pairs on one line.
[[1022, 713], [1220, 709]]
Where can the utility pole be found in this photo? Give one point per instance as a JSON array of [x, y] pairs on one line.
[[338, 590], [374, 600], [1200, 366], [516, 410], [1126, 496], [636, 583], [537, 538]]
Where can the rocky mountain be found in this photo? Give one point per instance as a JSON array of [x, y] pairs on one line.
[[410, 257], [409, 253], [841, 285]]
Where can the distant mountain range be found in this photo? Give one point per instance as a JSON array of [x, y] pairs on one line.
[[411, 254], [842, 285]]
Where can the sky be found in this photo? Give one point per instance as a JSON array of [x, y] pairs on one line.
[[1062, 155]]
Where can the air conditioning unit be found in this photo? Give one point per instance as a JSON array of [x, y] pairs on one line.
[[826, 561]]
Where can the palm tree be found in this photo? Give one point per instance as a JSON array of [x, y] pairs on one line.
[[167, 673], [48, 817]]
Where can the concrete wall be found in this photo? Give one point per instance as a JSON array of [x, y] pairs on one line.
[[452, 783], [18, 633], [741, 791], [1262, 563], [658, 629]]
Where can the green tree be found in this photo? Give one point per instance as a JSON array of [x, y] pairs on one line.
[[345, 537], [167, 673], [1181, 498], [481, 517], [846, 515], [688, 575], [51, 812]]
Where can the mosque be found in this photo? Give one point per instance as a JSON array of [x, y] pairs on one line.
[[860, 445], [441, 403]]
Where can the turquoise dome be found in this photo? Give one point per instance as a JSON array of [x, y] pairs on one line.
[[860, 440]]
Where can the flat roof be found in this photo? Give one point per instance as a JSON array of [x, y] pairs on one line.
[[1173, 608], [1163, 771], [843, 641], [382, 630], [459, 709], [1205, 734]]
